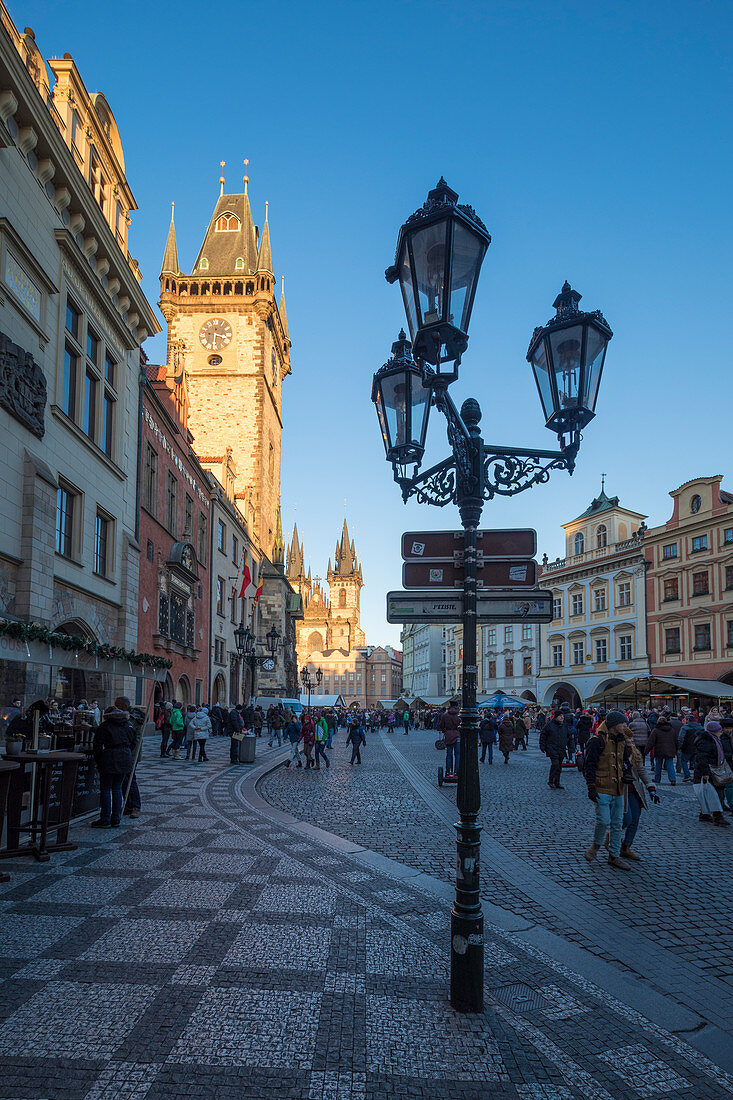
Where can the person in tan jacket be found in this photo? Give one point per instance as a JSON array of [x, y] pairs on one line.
[[607, 772]]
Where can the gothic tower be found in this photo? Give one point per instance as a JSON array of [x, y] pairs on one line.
[[225, 323], [345, 583]]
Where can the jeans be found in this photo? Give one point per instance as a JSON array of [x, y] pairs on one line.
[[164, 735], [234, 751], [320, 752], [452, 754], [275, 733], [355, 754], [202, 749], [294, 752], [669, 766], [555, 771], [686, 760], [110, 797], [407, 728], [631, 817], [133, 794], [609, 816], [488, 747]]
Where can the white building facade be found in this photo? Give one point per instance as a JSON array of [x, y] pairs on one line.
[[510, 659], [422, 661]]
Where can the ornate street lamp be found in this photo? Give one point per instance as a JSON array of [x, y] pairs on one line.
[[305, 677], [273, 640], [439, 254], [440, 250], [403, 406], [567, 357]]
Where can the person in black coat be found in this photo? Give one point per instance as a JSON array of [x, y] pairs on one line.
[[112, 746], [554, 743], [487, 733], [582, 728], [709, 753]]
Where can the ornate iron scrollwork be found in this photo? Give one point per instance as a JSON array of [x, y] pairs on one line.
[[436, 486], [507, 474]]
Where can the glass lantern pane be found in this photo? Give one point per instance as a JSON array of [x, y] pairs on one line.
[[542, 375], [468, 252], [594, 356], [430, 262], [420, 408], [382, 419], [566, 344], [396, 407], [408, 293]]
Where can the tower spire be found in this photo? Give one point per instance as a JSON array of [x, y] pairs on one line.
[[278, 546], [264, 260], [282, 311], [170, 256]]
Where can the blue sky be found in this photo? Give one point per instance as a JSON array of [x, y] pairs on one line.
[[592, 139]]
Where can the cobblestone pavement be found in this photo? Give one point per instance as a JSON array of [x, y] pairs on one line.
[[207, 950]]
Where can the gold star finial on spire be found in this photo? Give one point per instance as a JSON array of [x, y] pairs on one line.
[[267, 209], [221, 178], [246, 177]]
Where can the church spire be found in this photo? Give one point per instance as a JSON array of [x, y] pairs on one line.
[[264, 260], [278, 546], [282, 311], [345, 561], [170, 256], [296, 564]]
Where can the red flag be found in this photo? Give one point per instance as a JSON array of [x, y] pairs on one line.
[[246, 582], [258, 593]]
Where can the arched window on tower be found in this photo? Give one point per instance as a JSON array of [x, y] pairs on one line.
[[315, 643], [342, 598], [239, 265], [203, 264], [227, 223], [579, 543], [601, 536]]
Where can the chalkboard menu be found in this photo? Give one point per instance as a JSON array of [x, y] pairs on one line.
[[86, 792]]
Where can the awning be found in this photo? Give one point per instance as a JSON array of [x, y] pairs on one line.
[[644, 688], [323, 700], [499, 699], [38, 653]]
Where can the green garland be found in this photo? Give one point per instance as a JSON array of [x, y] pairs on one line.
[[35, 632]]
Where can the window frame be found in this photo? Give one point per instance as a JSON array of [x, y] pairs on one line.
[[672, 630], [623, 588], [579, 647], [171, 502], [601, 646], [107, 522], [150, 479], [556, 655], [705, 647], [702, 540], [71, 534], [670, 546], [697, 589], [623, 640], [576, 604]]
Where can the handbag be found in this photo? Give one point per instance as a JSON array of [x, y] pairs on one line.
[[708, 799], [721, 774], [440, 743]]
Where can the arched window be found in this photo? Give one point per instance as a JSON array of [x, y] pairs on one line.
[[239, 265], [194, 288], [227, 223], [601, 536], [250, 289], [238, 288], [315, 643], [579, 543], [227, 288], [204, 264], [342, 598]]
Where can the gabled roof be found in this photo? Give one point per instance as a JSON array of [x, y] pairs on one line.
[[223, 247]]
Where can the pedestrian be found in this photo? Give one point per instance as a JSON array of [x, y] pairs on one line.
[[607, 771], [320, 742], [506, 737], [487, 734], [308, 732], [583, 729], [710, 773], [236, 733], [187, 719], [449, 725], [640, 731], [636, 792], [691, 730], [331, 723], [163, 723], [665, 742], [217, 719], [176, 722], [257, 721], [520, 733], [406, 721], [112, 746], [268, 722], [726, 740], [275, 723], [294, 734], [553, 743], [199, 729], [355, 738], [136, 718]]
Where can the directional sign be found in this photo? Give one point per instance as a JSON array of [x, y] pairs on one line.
[[502, 606], [445, 545], [491, 573]]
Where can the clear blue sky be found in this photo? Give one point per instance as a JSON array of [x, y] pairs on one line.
[[593, 140]]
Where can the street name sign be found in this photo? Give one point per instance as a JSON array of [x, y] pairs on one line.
[[500, 606], [520, 542], [491, 573]]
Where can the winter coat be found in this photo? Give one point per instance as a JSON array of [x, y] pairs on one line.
[[726, 740], [541, 720], [113, 743], [308, 731], [640, 730], [293, 731], [449, 725], [321, 729], [663, 740], [708, 750], [607, 762], [277, 719], [640, 777], [199, 727], [235, 722], [506, 735], [176, 719], [554, 739], [487, 731], [585, 724], [690, 732], [355, 736]]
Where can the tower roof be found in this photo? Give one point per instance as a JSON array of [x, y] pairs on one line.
[[278, 546], [345, 563], [601, 503], [282, 311], [264, 260], [296, 563], [170, 256], [224, 246]]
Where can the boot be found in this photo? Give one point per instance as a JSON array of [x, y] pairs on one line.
[[628, 854], [616, 861], [718, 819], [704, 817], [287, 763], [592, 852]]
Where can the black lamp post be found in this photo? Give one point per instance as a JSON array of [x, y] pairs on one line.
[[440, 250], [247, 648], [305, 677]]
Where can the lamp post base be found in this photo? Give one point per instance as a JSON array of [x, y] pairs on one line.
[[467, 925]]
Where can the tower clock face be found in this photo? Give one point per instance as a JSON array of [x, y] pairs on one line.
[[215, 334]]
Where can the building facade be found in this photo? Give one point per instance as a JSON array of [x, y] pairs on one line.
[[422, 661], [73, 318], [510, 659], [597, 637], [689, 584]]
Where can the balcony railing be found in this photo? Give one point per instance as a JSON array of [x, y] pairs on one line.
[[634, 543]]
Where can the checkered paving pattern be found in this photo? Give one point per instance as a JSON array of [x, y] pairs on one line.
[[201, 952]]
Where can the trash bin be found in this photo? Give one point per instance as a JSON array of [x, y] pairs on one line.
[[247, 749]]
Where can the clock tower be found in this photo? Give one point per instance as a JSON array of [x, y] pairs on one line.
[[230, 336]]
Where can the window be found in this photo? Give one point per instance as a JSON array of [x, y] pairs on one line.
[[235, 550], [699, 543], [92, 347], [492, 635], [108, 414], [75, 129], [73, 317], [578, 653], [700, 584], [526, 666], [508, 634], [68, 393], [239, 264], [728, 534], [509, 666], [227, 223], [672, 640], [221, 537], [599, 599], [202, 539], [65, 500], [624, 594], [729, 576], [671, 589], [557, 607], [233, 606], [101, 544], [601, 537], [670, 550], [702, 636], [110, 368], [188, 517], [342, 598], [624, 647], [384, 677], [171, 503], [219, 651], [203, 264], [150, 480], [163, 615], [695, 504], [220, 595], [578, 603], [579, 543], [151, 550], [556, 656], [601, 651], [492, 670], [729, 633], [526, 633], [90, 405]]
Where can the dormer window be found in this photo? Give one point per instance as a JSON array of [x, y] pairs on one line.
[[239, 265], [601, 537], [227, 223], [203, 264], [579, 544]]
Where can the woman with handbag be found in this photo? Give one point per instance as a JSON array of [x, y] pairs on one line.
[[712, 774], [726, 740]]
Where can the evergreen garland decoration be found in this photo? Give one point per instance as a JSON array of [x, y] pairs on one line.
[[36, 632]]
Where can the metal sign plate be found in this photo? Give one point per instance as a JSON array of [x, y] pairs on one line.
[[424, 607], [499, 606], [491, 573], [519, 542]]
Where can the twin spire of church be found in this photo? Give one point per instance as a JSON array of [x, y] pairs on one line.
[[345, 562]]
